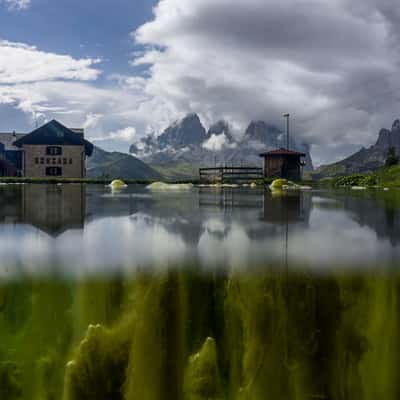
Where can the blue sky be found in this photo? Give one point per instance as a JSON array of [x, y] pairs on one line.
[[94, 28], [124, 69]]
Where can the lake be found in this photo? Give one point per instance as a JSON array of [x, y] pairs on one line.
[[202, 294]]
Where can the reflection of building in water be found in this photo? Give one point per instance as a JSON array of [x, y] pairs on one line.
[[10, 204], [291, 207], [54, 209]]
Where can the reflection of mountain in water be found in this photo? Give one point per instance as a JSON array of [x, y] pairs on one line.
[[377, 210], [216, 213], [105, 204]]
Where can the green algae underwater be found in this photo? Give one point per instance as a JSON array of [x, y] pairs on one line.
[[192, 336], [209, 294]]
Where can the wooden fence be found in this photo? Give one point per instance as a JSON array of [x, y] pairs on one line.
[[230, 174]]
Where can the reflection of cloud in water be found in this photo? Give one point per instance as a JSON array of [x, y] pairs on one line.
[[137, 230], [217, 228]]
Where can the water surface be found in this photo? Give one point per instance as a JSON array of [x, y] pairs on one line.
[[205, 294]]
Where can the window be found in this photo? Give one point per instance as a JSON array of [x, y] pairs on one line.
[[47, 160], [41, 160], [64, 161], [70, 160], [54, 160], [54, 150], [36, 160], [53, 171]]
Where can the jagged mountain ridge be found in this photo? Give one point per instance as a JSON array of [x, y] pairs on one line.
[[366, 159], [187, 141]]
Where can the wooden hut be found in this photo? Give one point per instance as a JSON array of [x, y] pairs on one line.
[[283, 163]]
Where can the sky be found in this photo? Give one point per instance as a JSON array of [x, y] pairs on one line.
[[123, 69]]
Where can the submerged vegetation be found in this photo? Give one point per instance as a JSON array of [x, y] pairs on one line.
[[189, 336]]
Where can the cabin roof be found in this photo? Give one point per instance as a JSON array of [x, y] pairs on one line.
[[55, 134], [282, 152]]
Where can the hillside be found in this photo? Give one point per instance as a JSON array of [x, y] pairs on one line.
[[103, 164], [365, 160], [384, 177], [177, 170]]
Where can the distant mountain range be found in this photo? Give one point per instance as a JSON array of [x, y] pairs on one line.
[[188, 142], [186, 145], [365, 160]]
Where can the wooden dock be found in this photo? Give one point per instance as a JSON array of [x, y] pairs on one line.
[[230, 174]]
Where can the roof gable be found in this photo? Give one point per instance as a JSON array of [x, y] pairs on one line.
[[282, 152], [55, 134]]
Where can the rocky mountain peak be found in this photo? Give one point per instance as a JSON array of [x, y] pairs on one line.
[[189, 131], [396, 126], [384, 138], [186, 141], [260, 131], [367, 159], [389, 138], [219, 128]]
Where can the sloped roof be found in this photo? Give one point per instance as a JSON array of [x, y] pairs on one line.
[[55, 134], [282, 152]]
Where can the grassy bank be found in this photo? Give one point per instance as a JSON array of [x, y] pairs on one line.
[[384, 177], [107, 181], [85, 181]]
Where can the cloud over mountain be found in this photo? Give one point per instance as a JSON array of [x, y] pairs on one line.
[[333, 64]]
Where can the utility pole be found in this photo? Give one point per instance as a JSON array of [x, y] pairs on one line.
[[287, 116]]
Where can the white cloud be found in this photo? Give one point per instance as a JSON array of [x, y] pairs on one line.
[[47, 85], [218, 143], [17, 4], [332, 64], [20, 63], [92, 120], [127, 135]]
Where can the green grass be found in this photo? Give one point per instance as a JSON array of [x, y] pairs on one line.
[[384, 177], [94, 181], [69, 180], [179, 170], [389, 176]]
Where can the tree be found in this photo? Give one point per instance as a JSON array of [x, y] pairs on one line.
[[391, 158]]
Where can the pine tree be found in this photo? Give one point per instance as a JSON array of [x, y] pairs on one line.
[[391, 158]]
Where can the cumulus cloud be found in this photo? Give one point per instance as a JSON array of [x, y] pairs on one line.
[[47, 85], [92, 120], [126, 135], [332, 64], [16, 4], [218, 143], [77, 104], [20, 63]]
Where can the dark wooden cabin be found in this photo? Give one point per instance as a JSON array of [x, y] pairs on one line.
[[283, 163]]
